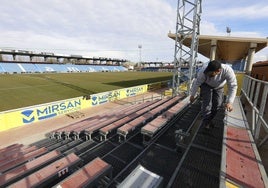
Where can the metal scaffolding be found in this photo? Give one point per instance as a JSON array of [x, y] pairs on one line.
[[188, 19]]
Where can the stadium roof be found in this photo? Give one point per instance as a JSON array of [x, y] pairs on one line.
[[228, 48]]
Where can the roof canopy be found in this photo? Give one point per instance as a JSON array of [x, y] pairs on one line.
[[228, 48]]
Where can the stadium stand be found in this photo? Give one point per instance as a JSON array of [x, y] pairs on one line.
[[99, 120], [11, 68], [100, 162], [7, 67], [67, 130], [130, 117], [51, 68], [1, 69], [155, 125], [151, 114], [88, 130]]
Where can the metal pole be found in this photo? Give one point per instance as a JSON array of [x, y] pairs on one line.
[[140, 47], [263, 102], [187, 26]]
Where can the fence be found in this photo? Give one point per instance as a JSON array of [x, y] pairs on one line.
[[255, 91]]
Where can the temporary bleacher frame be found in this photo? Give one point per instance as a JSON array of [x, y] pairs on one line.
[[76, 128], [132, 116], [151, 128], [151, 114], [141, 108], [124, 155]]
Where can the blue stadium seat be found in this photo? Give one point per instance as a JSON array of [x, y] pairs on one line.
[[29, 67], [32, 68], [73, 68], [90, 68], [12, 68], [121, 68], [51, 68], [46, 68], [97, 68], [1, 69]]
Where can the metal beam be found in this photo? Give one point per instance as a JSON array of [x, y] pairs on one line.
[[188, 19]]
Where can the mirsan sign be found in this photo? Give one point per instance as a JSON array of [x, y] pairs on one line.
[[50, 110], [104, 97], [23, 116]]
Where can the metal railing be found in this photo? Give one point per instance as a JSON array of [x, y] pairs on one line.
[[255, 91]]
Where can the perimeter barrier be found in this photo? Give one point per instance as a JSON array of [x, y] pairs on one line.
[[255, 92]]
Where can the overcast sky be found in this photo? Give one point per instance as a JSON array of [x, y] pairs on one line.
[[115, 28]]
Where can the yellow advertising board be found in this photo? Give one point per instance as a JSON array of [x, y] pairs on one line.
[[104, 97], [19, 117], [239, 78]]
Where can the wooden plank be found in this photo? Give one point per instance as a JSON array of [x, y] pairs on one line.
[[10, 148], [47, 174], [14, 154], [130, 126], [152, 127], [88, 175], [22, 159], [15, 173]]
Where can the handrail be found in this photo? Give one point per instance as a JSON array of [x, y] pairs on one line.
[[255, 91]]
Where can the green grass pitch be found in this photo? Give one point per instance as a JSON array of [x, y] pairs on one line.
[[21, 90]]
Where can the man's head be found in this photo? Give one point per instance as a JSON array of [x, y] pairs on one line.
[[213, 68]]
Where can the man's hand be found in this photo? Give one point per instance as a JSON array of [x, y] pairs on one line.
[[229, 107], [192, 98]]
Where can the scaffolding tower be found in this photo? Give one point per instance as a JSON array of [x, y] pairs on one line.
[[188, 20]]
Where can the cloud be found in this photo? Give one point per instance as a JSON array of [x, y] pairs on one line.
[[261, 56], [256, 11], [114, 28], [245, 18], [106, 27], [208, 28]]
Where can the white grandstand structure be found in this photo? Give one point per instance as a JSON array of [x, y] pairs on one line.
[[21, 61]]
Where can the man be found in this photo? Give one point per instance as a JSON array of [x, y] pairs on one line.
[[211, 81]]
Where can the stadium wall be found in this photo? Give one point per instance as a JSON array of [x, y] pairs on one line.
[[23, 116]]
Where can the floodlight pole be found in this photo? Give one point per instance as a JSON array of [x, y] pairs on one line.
[[140, 47], [187, 26]]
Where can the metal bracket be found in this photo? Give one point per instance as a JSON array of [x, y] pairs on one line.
[[179, 136]]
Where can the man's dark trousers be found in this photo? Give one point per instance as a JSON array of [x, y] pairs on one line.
[[212, 100]]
